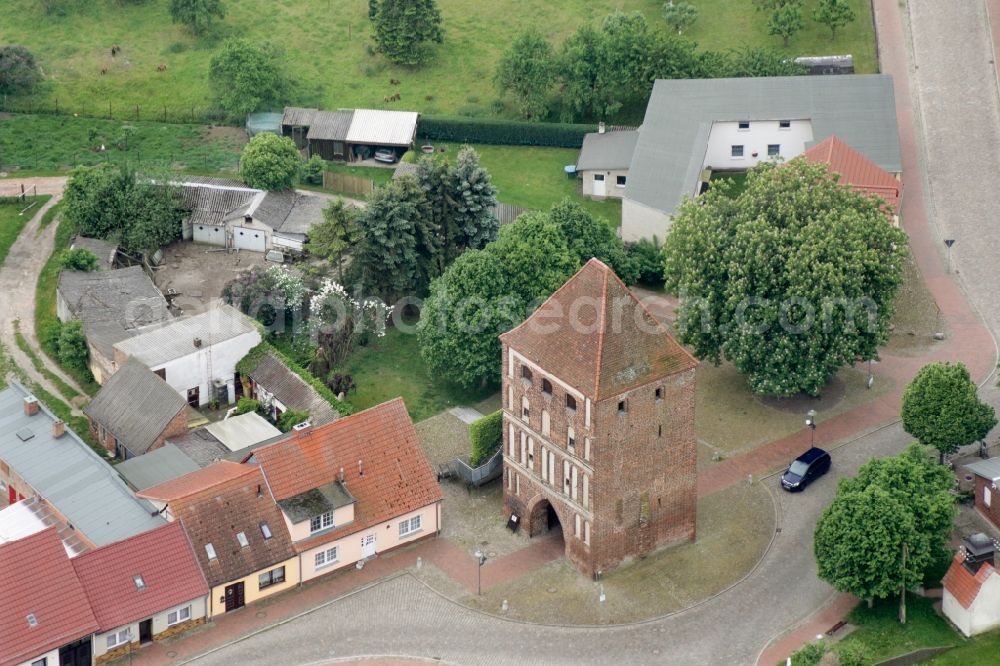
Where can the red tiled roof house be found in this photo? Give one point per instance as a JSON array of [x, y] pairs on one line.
[[858, 172], [144, 588], [45, 617], [238, 533], [971, 597], [599, 424], [353, 488]]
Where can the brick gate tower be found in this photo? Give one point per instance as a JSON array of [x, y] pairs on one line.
[[599, 424]]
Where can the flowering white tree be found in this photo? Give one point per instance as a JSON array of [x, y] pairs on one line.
[[338, 321]]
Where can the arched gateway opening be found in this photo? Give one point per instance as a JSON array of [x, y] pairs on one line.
[[544, 520]]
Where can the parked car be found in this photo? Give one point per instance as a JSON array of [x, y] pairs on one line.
[[386, 155], [805, 469]]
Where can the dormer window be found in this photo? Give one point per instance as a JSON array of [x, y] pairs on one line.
[[321, 522], [546, 387], [526, 373], [570, 402], [210, 551], [140, 584], [241, 538]]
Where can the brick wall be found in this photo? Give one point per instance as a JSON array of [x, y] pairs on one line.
[[176, 427], [991, 512]]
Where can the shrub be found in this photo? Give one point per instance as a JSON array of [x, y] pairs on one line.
[[486, 436], [341, 383], [270, 162], [80, 259], [853, 653], [246, 405], [312, 170], [648, 259], [503, 132], [291, 418], [18, 70], [72, 345], [810, 654]]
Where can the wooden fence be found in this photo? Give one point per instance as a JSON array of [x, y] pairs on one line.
[[342, 182]]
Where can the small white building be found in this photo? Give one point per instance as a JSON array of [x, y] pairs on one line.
[[971, 598], [195, 355]]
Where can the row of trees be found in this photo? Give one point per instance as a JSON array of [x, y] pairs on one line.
[[489, 291], [786, 16], [596, 72]]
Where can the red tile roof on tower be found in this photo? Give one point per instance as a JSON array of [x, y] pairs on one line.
[[594, 334], [195, 481], [856, 170], [962, 583], [216, 514], [166, 563], [394, 476], [38, 582]]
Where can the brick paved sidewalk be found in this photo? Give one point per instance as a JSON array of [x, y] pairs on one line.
[[817, 625]]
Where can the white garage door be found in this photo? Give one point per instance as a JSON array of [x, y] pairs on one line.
[[248, 239], [207, 233]]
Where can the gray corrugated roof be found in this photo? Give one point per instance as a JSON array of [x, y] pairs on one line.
[[200, 446], [382, 128], [297, 116], [125, 295], [135, 406], [212, 203], [69, 475], [988, 469], [160, 343], [278, 379], [329, 125], [103, 250], [611, 150], [164, 464], [860, 109]]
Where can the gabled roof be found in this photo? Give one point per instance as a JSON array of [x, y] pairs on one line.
[[195, 482], [600, 348], [607, 150], [328, 125], [382, 128], [38, 582], [392, 479], [135, 406], [156, 467], [856, 170], [165, 561], [962, 583], [158, 344], [217, 513], [124, 295], [673, 138], [298, 116], [212, 203], [69, 475], [291, 390]]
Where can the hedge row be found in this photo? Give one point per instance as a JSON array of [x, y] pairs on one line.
[[486, 436], [502, 132]]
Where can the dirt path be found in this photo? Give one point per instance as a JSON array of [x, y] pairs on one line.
[[18, 279]]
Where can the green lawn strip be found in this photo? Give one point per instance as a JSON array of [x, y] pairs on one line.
[[980, 650], [47, 324], [50, 215], [325, 47], [12, 220], [65, 389], [48, 143], [880, 632], [392, 366]]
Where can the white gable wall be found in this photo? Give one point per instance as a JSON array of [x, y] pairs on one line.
[[726, 134], [984, 613], [192, 370]]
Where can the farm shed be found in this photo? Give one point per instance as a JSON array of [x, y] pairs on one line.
[[349, 134]]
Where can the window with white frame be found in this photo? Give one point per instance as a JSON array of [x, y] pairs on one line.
[[117, 638], [736, 151], [321, 522], [773, 149], [40, 662], [272, 577], [408, 527], [743, 125], [620, 181], [325, 558], [178, 616], [784, 124]]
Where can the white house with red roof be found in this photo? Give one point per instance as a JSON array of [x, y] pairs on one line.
[[144, 588], [971, 597], [352, 488]]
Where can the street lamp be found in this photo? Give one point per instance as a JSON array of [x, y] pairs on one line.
[[811, 422], [480, 561]]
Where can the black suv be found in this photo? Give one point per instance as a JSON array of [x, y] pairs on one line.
[[808, 467]]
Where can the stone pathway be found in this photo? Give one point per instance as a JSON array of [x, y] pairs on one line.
[[466, 414]]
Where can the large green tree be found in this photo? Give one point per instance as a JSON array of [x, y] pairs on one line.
[[897, 501], [588, 236], [18, 70], [112, 202], [941, 408], [474, 197], [790, 280], [247, 76], [197, 15], [405, 29], [527, 71], [834, 14], [786, 20], [270, 162]]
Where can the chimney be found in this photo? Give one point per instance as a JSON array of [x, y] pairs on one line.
[[601, 127], [978, 549], [361, 469], [197, 342], [30, 405], [58, 429]]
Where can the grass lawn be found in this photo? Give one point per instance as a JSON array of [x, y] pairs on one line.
[[12, 221], [392, 366], [883, 636], [979, 651], [737, 178], [53, 143], [325, 46]]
